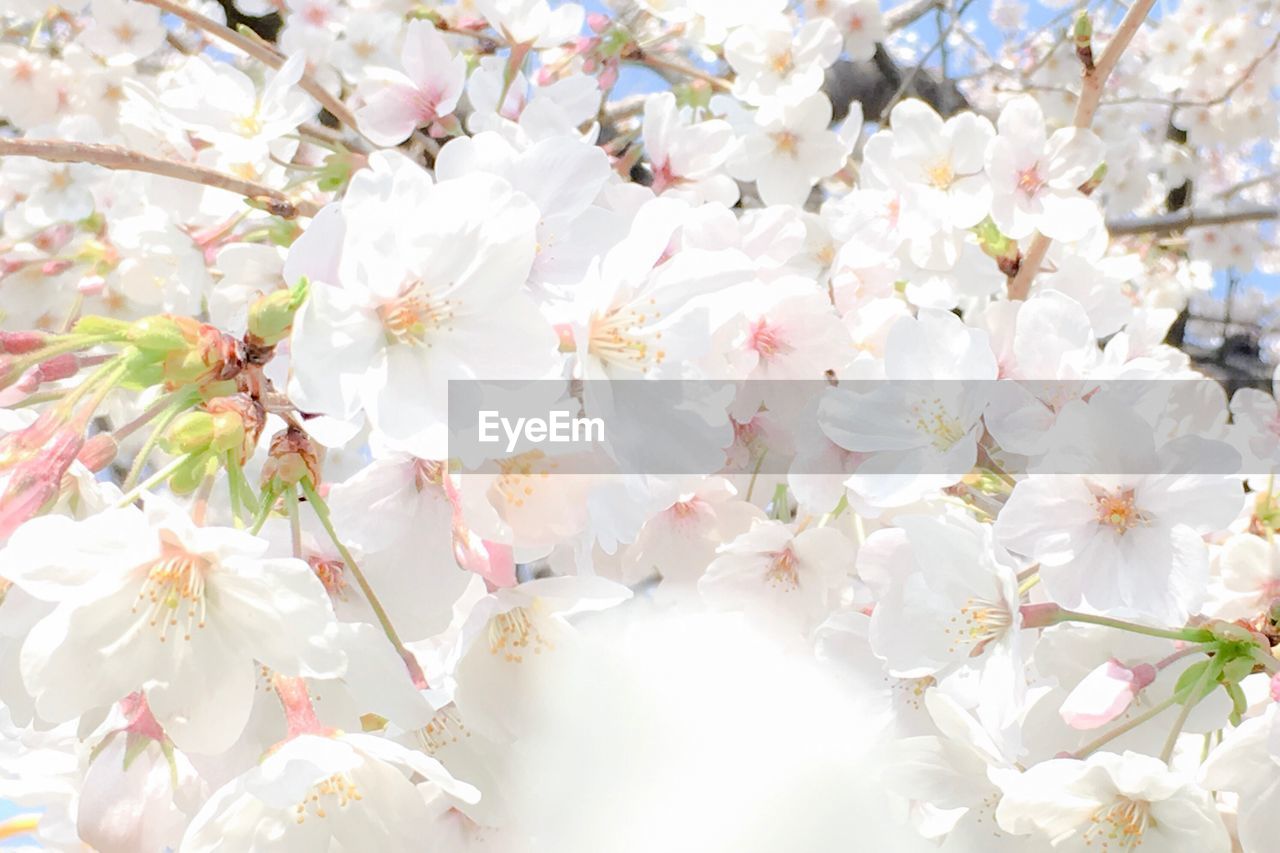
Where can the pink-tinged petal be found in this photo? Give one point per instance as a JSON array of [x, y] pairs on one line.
[[393, 112], [425, 55], [1104, 694]]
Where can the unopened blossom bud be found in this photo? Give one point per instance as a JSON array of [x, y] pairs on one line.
[[160, 333], [598, 22], [91, 285], [26, 384], [1095, 180], [210, 355], [59, 367], [609, 76], [238, 421], [271, 315], [35, 484], [999, 247], [1082, 35], [292, 458], [98, 452], [191, 432], [103, 326], [19, 343], [22, 445], [225, 424]]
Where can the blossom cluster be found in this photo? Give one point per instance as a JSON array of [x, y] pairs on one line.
[[957, 481]]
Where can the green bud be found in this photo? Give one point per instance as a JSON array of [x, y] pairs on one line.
[[94, 325], [228, 431], [158, 333], [1083, 29], [614, 41], [696, 94], [1095, 180], [993, 243], [271, 315], [142, 369], [192, 432]]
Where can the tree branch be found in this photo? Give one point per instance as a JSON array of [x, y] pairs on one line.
[[264, 53], [120, 158], [908, 12], [1186, 218], [1093, 81]]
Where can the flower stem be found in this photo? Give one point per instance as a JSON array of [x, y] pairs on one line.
[[1190, 635], [1192, 699], [155, 479], [71, 343], [295, 522], [140, 461], [264, 511], [1151, 713], [321, 510], [751, 486]]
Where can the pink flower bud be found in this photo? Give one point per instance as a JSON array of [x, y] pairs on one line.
[[1105, 694], [20, 446], [55, 267], [28, 383], [589, 65], [59, 367], [19, 343], [544, 76], [92, 285], [139, 719], [608, 77], [35, 484], [98, 452], [598, 22]]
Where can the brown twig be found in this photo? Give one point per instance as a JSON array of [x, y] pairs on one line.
[[660, 64], [124, 159], [1093, 80], [264, 53], [1185, 218]]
